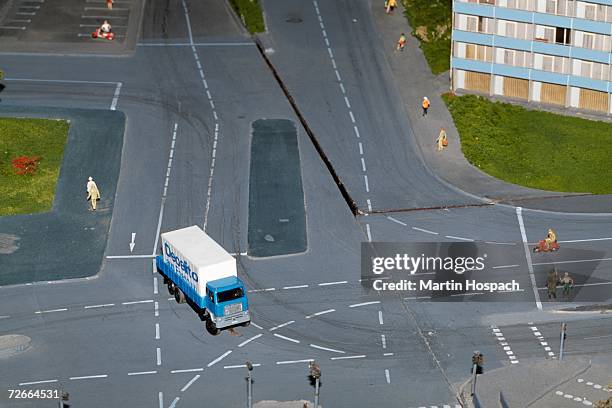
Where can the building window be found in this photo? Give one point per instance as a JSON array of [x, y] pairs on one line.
[[588, 40], [589, 11], [563, 35], [551, 6], [547, 63], [585, 69], [472, 23]]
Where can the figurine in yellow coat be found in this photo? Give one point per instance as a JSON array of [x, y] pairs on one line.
[[442, 140], [93, 194]]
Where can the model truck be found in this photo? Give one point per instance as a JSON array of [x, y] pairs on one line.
[[200, 272]]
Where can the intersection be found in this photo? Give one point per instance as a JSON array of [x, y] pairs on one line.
[[190, 91]]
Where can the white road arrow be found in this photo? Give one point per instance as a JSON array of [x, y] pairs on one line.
[[132, 244]]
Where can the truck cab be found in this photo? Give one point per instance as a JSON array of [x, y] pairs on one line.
[[226, 303]]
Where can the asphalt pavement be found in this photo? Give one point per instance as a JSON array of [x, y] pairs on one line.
[[190, 93]]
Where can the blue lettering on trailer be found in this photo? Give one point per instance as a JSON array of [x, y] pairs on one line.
[[180, 264]]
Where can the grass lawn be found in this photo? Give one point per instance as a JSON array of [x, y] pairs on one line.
[[431, 25], [250, 13], [534, 148], [30, 193]]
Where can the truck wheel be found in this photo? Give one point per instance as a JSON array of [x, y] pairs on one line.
[[179, 296], [171, 288], [211, 328], [246, 324]]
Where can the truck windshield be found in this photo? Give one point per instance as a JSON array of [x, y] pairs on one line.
[[231, 294]]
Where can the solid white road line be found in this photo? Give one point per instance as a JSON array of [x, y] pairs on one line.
[[38, 382], [282, 325], [286, 338], [97, 306], [380, 317], [397, 221], [388, 376], [116, 96], [328, 349], [50, 311], [383, 340], [294, 361], [174, 402], [129, 256], [157, 331], [221, 357], [256, 325], [534, 286], [597, 337], [158, 356], [348, 357], [247, 341], [161, 399], [365, 303], [240, 366], [88, 377], [5, 317], [369, 233], [156, 309], [424, 230], [138, 302], [189, 370], [459, 238], [320, 313], [143, 372], [388, 354], [194, 379], [67, 81], [332, 283], [585, 240], [574, 261], [295, 287]]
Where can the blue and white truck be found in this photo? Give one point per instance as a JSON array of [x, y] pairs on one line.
[[200, 272]]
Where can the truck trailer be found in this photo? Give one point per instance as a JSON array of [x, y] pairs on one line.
[[200, 272]]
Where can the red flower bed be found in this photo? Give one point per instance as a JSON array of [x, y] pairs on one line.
[[25, 164]]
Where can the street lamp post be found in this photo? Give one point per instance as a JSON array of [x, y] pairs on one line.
[[315, 375], [249, 380]]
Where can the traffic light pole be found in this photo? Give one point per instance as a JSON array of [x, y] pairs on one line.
[[316, 396], [249, 385], [563, 329], [474, 373]]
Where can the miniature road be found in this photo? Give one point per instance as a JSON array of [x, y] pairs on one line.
[[193, 87]]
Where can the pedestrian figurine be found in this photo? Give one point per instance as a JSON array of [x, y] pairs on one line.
[[391, 5], [551, 284], [93, 194], [442, 140], [109, 4], [568, 283], [425, 105], [401, 43]]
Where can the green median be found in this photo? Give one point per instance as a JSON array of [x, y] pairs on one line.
[[31, 152], [251, 15], [533, 148]]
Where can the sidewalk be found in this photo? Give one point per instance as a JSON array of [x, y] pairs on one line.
[[546, 383], [414, 80]]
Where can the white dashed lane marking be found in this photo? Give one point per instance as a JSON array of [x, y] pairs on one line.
[[286, 338], [282, 325], [247, 341], [221, 357], [504, 344], [541, 339]]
